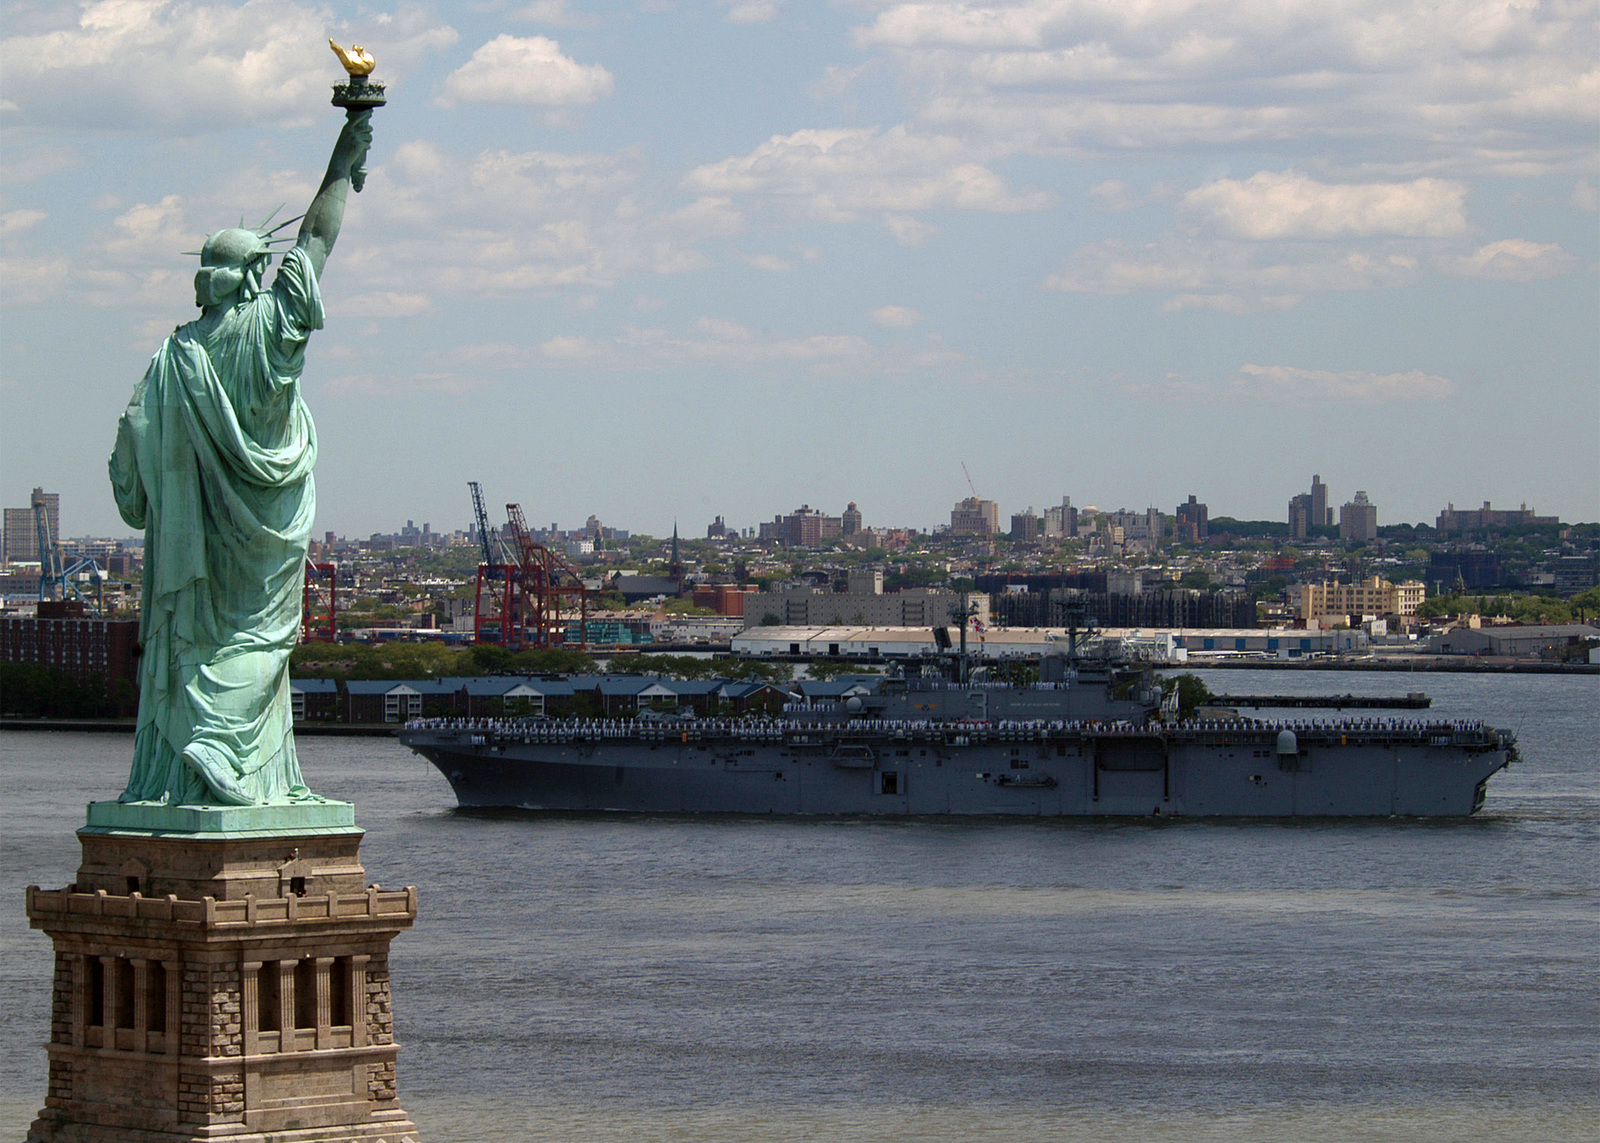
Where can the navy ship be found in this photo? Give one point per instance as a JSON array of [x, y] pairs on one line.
[[1090, 739]]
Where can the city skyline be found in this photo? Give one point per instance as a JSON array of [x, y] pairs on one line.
[[1047, 524], [680, 261]]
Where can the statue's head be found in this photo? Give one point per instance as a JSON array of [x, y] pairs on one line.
[[228, 260]]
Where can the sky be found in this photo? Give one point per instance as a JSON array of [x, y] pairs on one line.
[[664, 261]]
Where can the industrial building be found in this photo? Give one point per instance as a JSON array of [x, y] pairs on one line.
[[1528, 642], [1375, 596], [1030, 642], [1115, 601], [865, 604]]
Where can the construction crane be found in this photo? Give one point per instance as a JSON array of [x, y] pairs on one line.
[[970, 485]]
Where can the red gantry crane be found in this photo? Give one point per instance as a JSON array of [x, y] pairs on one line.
[[319, 603], [525, 590], [549, 586]]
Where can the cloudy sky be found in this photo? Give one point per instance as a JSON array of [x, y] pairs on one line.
[[667, 260]]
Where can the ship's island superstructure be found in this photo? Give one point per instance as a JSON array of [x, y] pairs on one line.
[[1092, 738]]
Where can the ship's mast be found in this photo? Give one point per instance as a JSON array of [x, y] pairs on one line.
[[965, 615]]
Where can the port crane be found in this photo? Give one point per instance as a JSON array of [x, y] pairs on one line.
[[57, 582], [319, 602], [494, 610], [524, 589], [549, 586]]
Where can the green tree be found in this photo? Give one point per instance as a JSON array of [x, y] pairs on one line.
[[1192, 692], [1586, 603], [1439, 606], [755, 670], [824, 670], [668, 666]]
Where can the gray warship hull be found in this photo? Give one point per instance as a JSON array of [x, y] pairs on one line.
[[885, 767]]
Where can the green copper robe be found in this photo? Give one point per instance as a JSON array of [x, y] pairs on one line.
[[213, 460]]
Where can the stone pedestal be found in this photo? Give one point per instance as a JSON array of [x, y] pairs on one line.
[[223, 985]]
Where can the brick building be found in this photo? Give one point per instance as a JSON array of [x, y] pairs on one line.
[[1358, 519], [975, 517], [1475, 519], [61, 637], [805, 527]]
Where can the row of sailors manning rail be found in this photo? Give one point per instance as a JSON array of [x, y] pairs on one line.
[[594, 728]]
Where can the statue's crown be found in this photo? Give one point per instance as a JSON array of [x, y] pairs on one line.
[[240, 245]]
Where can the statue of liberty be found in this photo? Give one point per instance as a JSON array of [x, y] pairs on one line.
[[213, 460]]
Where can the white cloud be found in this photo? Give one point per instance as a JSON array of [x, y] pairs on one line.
[[529, 71], [895, 317], [1218, 303], [771, 263], [1275, 205], [838, 174], [566, 347], [721, 329], [556, 13], [153, 231], [16, 221], [504, 222], [1114, 194], [909, 231], [1231, 303], [1515, 260], [1205, 267], [159, 64], [401, 384], [35, 163], [720, 343], [1284, 383], [1470, 84], [381, 304], [31, 279], [751, 11], [1583, 197], [836, 82]]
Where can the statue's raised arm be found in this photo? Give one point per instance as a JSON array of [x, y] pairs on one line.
[[319, 229]]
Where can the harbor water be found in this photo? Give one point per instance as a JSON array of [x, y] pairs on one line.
[[609, 978]]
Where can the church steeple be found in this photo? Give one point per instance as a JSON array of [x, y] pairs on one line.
[[675, 568]]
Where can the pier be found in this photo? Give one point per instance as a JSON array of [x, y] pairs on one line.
[[1412, 701], [1415, 700]]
